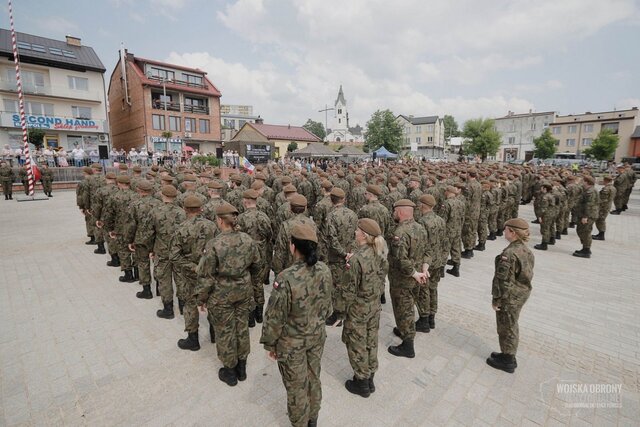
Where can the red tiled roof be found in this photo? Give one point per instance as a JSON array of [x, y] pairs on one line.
[[211, 89], [293, 133]]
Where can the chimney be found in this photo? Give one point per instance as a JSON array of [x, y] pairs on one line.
[[530, 110], [289, 127], [509, 113], [259, 120], [73, 41]]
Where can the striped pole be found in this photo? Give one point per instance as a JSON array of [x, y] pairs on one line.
[[23, 120]]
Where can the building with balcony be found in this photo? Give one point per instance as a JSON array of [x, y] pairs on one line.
[[233, 117], [64, 95], [423, 136], [576, 132], [258, 141], [518, 132], [156, 106]]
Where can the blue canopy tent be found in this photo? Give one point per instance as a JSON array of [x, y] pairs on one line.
[[383, 153]]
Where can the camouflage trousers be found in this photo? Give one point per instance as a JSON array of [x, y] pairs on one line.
[[502, 217], [560, 219], [98, 235], [340, 277], [90, 224], [469, 232], [47, 186], [7, 188], [360, 334], [300, 372], [427, 300], [515, 207], [454, 245], [584, 233], [546, 228], [507, 326], [164, 275], [258, 285], [143, 263], [483, 228], [403, 300], [620, 200], [230, 316], [601, 222], [124, 253], [190, 312], [493, 221]]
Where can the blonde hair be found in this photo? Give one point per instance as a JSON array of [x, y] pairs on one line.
[[522, 235], [378, 244]]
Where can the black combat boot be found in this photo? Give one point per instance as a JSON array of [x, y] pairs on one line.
[[331, 319], [615, 212], [383, 299], [541, 247], [190, 343], [128, 277], [496, 355], [499, 233], [115, 261], [312, 423], [552, 240], [450, 262], [565, 232], [599, 236], [258, 313], [422, 324], [6, 197], [241, 370], [583, 253], [455, 270], [157, 288], [136, 274], [403, 350], [372, 386], [166, 312], [228, 376], [572, 224], [535, 221], [396, 332], [467, 254], [432, 321], [181, 306], [558, 235], [212, 333], [479, 247], [504, 363], [145, 293], [492, 236], [101, 250], [252, 319], [10, 196], [624, 208], [359, 387], [49, 195], [91, 241]]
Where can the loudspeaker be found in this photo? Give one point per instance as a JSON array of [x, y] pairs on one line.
[[103, 150], [218, 153]]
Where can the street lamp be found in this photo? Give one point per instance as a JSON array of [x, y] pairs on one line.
[[326, 110]]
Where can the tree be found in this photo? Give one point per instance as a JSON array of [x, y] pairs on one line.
[[545, 145], [383, 130], [450, 127], [482, 137], [315, 128], [36, 137], [603, 146], [293, 146]]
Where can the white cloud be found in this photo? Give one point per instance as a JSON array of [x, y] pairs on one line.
[[62, 25], [539, 87]]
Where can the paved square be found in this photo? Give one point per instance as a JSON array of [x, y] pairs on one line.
[[77, 347]]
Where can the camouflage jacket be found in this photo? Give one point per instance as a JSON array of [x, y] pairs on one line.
[[606, 195], [164, 222], [234, 197], [102, 199], [188, 244], [209, 209], [486, 204], [46, 175], [357, 198], [408, 252], [340, 229], [6, 173], [588, 205], [379, 213], [297, 310], [140, 230], [391, 198], [257, 225], [513, 275], [118, 213], [82, 194], [366, 282], [282, 258], [453, 214], [436, 239], [182, 196]]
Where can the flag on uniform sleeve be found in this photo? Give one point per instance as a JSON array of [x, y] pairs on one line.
[[246, 164]]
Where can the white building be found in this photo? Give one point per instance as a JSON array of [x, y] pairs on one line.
[[518, 132], [422, 136], [64, 92], [233, 117], [341, 132]]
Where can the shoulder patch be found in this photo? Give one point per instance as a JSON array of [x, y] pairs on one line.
[[504, 258], [276, 285]]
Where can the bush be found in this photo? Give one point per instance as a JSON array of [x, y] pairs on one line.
[[209, 159]]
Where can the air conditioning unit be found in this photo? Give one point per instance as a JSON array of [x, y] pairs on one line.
[[103, 137], [187, 134]]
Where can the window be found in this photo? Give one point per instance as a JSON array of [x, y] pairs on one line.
[[68, 54], [545, 125], [511, 140], [81, 112], [571, 142], [203, 125], [189, 124], [572, 129], [38, 108], [429, 139], [611, 126], [38, 48], [241, 123], [587, 141], [339, 120], [339, 110], [192, 80], [23, 45], [556, 130], [162, 74], [158, 121], [10, 105], [78, 83], [32, 81], [533, 125], [174, 123], [55, 51], [429, 128], [229, 124], [418, 129], [418, 139], [587, 127]]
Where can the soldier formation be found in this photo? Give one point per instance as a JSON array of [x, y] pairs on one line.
[[331, 238]]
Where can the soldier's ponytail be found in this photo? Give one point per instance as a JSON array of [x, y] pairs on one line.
[[308, 249], [231, 220], [378, 244]]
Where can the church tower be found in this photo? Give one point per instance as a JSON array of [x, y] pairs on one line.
[[341, 113]]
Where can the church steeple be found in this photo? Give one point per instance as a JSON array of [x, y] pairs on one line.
[[340, 98]]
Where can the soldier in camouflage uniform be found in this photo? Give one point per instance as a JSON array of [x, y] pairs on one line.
[[6, 177], [234, 195], [98, 209], [83, 201], [452, 212], [486, 206], [394, 194], [587, 213], [340, 228], [189, 189], [367, 273], [46, 177], [230, 265], [320, 213], [117, 219], [544, 202], [606, 195], [408, 269], [510, 290], [186, 250], [215, 189], [258, 226], [282, 257], [24, 178], [165, 219], [473, 196], [496, 194], [294, 330], [562, 200]]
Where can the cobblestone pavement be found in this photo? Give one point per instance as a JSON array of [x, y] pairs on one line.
[[77, 347]]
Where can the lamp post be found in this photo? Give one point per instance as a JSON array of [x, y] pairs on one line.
[[326, 110]]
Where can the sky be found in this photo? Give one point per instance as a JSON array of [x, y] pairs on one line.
[[287, 58]]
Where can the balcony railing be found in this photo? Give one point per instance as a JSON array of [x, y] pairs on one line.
[[198, 109], [179, 82], [169, 106], [52, 90]]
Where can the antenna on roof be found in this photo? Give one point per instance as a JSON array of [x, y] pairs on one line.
[[123, 65]]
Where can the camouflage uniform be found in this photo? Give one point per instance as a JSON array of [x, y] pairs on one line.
[[510, 290], [294, 328], [453, 212], [587, 208], [606, 196], [83, 202], [340, 229], [7, 177], [545, 210], [165, 219], [320, 214], [486, 206], [98, 209], [209, 209], [492, 220], [47, 180], [473, 196], [282, 258], [258, 226], [621, 184], [118, 217], [435, 227], [139, 232], [379, 213]]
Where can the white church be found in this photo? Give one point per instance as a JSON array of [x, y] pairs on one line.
[[341, 132]]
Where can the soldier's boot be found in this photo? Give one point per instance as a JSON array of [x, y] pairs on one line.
[[499, 233], [49, 195], [212, 334], [241, 370], [157, 288], [558, 235], [101, 250], [535, 221], [599, 236], [624, 208], [383, 299], [228, 376], [583, 253], [136, 274], [331, 319], [372, 386], [450, 262], [505, 363], [6, 197], [145, 293], [190, 343], [616, 212], [542, 246], [422, 324], [432, 321], [312, 423], [396, 332], [403, 350], [552, 240], [467, 254], [359, 387], [492, 236], [258, 313], [455, 270], [92, 241], [115, 261], [565, 232], [181, 306], [10, 196], [479, 247], [166, 312], [497, 355], [572, 224], [252, 319], [127, 277]]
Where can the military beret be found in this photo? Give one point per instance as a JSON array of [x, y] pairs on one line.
[[289, 189], [151, 173], [111, 175], [192, 202], [123, 167], [369, 226], [518, 223], [97, 166], [137, 169], [124, 179], [169, 191], [338, 192], [607, 178], [216, 185], [588, 179], [189, 178], [257, 185], [298, 200], [428, 200], [285, 180], [85, 169], [217, 172], [304, 232], [460, 185], [181, 167], [304, 173], [374, 189], [393, 180], [340, 174], [261, 176], [155, 168], [327, 185], [236, 178], [359, 178], [144, 185], [205, 175], [414, 178], [226, 209], [404, 203], [450, 189], [250, 194], [166, 178]]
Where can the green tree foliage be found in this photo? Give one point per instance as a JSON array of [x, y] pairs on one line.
[[545, 145], [293, 146], [450, 127], [36, 137], [604, 146], [383, 129], [481, 137], [209, 159], [315, 128]]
